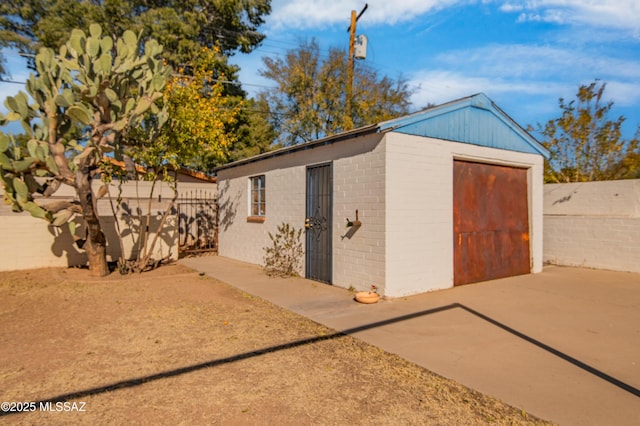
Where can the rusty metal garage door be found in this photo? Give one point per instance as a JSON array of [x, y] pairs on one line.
[[490, 222]]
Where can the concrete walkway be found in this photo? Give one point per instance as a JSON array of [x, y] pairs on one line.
[[563, 345]]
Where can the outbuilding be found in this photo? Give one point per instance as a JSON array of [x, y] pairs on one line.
[[447, 196]]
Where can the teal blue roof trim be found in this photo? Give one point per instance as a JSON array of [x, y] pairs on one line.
[[474, 120]]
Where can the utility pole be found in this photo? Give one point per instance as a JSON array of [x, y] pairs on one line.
[[352, 37]]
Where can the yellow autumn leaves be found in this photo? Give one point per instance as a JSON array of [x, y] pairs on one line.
[[201, 115]]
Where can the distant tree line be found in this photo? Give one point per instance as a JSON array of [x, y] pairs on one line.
[[585, 144]]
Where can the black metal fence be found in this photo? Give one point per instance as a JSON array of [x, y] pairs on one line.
[[197, 222]]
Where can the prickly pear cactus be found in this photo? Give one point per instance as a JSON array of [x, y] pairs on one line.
[[79, 106], [80, 103]]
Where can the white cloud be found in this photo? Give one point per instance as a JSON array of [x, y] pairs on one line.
[[623, 93], [552, 16], [510, 7], [621, 14], [440, 86], [529, 72], [535, 62], [320, 13]]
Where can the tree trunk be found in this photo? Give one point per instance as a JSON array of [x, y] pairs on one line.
[[96, 245]]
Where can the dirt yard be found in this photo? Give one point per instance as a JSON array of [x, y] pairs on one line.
[[172, 347]]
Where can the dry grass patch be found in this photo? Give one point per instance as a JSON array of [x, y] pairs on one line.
[[172, 347]]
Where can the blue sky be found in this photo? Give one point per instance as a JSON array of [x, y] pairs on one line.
[[524, 54]]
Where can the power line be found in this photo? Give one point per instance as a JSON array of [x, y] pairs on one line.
[[236, 83], [2, 80], [12, 52]]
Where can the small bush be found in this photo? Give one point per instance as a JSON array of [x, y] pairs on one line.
[[284, 256]]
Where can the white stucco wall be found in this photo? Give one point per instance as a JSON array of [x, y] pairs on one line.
[[419, 209], [593, 224], [285, 193], [359, 253], [358, 177], [402, 187], [28, 242]]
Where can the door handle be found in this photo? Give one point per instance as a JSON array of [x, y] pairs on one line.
[[307, 223]]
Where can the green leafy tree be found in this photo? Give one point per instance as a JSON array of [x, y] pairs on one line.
[[256, 134], [309, 101], [95, 87], [200, 118], [182, 27], [585, 145]]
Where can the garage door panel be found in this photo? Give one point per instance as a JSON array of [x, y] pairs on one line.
[[491, 224]]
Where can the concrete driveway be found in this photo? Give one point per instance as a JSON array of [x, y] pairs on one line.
[[563, 345]]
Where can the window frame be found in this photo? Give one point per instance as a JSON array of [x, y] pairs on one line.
[[257, 198]]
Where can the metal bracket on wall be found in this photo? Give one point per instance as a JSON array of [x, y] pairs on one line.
[[356, 223]]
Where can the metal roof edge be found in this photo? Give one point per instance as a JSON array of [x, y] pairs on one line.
[[503, 116], [372, 128], [426, 113]]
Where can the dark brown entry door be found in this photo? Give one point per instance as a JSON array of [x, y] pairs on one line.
[[490, 222], [318, 223]]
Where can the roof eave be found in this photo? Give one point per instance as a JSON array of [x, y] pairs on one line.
[[373, 128]]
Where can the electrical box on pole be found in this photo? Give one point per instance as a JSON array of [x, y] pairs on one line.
[[360, 47]]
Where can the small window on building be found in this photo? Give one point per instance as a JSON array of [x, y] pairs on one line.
[[258, 200]]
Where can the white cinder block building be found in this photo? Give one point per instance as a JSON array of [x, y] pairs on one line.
[[447, 196]]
